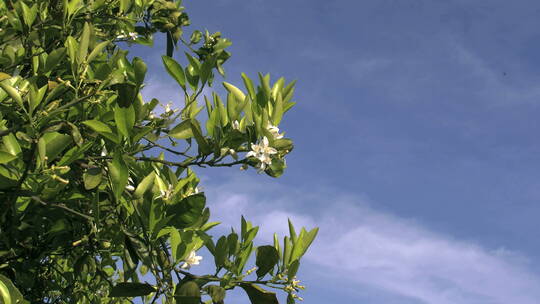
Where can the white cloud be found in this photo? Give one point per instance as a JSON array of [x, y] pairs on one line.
[[377, 250]]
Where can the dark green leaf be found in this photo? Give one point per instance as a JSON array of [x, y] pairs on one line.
[[267, 258], [187, 293], [217, 293], [257, 295], [130, 289]]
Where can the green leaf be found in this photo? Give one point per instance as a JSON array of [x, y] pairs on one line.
[[201, 141], [187, 211], [175, 70], [55, 143], [249, 86], [140, 69], [98, 126], [54, 58], [101, 128], [187, 293], [118, 172], [72, 47], [292, 232], [29, 14], [12, 144], [278, 110], [221, 251], [96, 51], [267, 258], [238, 94], [182, 130], [6, 157], [131, 289], [12, 92], [257, 295], [92, 178], [125, 119], [194, 63], [293, 269], [9, 294], [144, 185], [76, 134], [84, 42], [217, 293]]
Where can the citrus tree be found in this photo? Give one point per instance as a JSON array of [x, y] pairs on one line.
[[99, 200]]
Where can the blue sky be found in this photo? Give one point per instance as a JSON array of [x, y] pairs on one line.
[[417, 146]]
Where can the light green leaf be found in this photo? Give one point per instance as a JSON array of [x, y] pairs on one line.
[[278, 110], [6, 157], [12, 92], [29, 14], [238, 94], [249, 86], [9, 293]]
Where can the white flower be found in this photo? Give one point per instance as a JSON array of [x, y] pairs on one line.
[[130, 187], [192, 259], [166, 194], [233, 154], [274, 131], [104, 151], [152, 115], [122, 35], [133, 35], [235, 125], [263, 153]]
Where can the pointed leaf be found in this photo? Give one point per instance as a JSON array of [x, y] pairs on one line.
[[175, 70]]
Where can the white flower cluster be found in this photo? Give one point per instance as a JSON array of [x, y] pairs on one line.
[[192, 259], [263, 152], [130, 35]]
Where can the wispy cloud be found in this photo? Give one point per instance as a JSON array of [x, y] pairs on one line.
[[374, 249]]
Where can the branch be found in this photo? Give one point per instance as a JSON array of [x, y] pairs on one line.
[[63, 207]]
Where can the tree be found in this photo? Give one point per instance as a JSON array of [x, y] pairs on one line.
[[99, 200]]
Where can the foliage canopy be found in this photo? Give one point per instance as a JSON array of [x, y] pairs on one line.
[[98, 194]]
